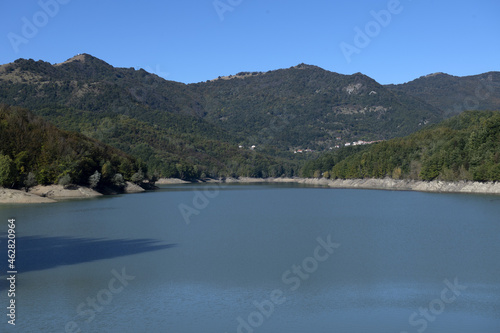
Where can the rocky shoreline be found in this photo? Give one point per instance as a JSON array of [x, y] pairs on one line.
[[382, 184], [8, 196], [168, 181], [53, 193]]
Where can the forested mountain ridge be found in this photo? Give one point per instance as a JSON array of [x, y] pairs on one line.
[[207, 129], [454, 94], [135, 111], [464, 147], [313, 105]]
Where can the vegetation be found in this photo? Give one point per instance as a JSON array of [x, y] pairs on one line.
[[156, 121], [32, 151], [453, 94], [306, 106], [465, 147], [194, 131]]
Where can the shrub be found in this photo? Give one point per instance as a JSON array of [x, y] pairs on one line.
[[94, 179], [118, 180], [30, 181], [65, 180]]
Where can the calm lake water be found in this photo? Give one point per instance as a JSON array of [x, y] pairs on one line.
[[257, 258]]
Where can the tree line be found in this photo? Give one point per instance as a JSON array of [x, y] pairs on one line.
[[33, 151], [465, 147]]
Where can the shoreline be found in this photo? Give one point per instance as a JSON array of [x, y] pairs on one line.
[[389, 184], [56, 193]]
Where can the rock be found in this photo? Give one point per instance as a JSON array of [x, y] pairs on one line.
[[165, 181], [15, 196], [60, 192], [133, 188], [370, 183]]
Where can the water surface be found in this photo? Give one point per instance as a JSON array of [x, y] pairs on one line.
[[246, 260]]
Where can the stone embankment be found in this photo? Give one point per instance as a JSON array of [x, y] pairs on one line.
[[384, 184], [52, 193]]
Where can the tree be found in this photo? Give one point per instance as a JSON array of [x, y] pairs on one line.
[[30, 181], [94, 179], [21, 160], [7, 170], [396, 173], [107, 170], [153, 177], [137, 177], [430, 169], [126, 168], [118, 180], [65, 180]]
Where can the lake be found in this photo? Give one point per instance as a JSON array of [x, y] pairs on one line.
[[257, 258]]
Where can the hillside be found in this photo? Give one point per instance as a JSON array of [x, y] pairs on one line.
[[303, 106], [464, 147], [34, 151], [146, 116], [207, 129], [454, 94], [306, 106]]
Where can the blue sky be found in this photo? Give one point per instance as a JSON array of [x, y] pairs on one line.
[[191, 41]]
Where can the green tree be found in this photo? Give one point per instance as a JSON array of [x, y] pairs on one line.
[[21, 162], [107, 170], [7, 171], [126, 168], [137, 177], [430, 169]]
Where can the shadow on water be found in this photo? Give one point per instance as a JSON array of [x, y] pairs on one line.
[[37, 253]]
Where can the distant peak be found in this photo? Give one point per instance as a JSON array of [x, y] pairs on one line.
[[82, 58], [436, 74], [305, 66], [240, 75]]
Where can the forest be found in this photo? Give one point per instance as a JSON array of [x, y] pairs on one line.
[[33, 151], [248, 124], [464, 147]]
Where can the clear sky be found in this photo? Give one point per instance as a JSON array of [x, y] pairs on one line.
[[191, 41]]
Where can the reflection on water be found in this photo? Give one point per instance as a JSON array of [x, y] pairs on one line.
[[37, 253], [248, 262]]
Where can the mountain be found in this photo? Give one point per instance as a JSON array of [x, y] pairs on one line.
[[303, 106], [454, 94], [306, 106], [208, 128], [29, 144], [464, 147], [151, 118]]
